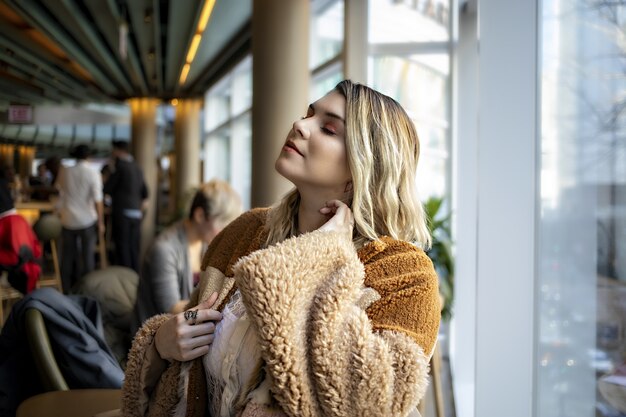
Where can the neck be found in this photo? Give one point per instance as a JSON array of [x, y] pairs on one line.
[[309, 216], [193, 237]]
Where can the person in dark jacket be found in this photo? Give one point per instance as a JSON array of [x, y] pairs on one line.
[[127, 189]]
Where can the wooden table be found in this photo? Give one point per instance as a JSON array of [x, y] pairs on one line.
[[31, 210], [72, 403]]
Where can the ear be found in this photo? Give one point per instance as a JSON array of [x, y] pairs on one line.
[[349, 187]]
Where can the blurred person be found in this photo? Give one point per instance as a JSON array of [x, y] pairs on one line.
[[43, 176], [53, 165], [82, 216], [19, 247], [40, 185], [323, 305], [127, 189], [171, 266]]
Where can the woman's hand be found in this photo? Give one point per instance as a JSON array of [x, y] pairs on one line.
[[182, 339], [340, 217]]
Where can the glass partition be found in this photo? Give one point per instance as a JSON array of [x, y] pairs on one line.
[[402, 21], [410, 48], [227, 133], [581, 297], [326, 33]]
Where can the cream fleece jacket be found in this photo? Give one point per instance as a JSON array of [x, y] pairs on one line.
[[342, 333]]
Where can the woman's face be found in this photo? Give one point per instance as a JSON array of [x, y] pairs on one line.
[[206, 228], [314, 154]]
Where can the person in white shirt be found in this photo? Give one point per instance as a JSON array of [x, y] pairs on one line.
[[81, 209]]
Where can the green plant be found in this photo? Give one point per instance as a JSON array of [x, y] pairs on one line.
[[440, 252]]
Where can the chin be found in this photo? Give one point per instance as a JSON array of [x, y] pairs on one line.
[[279, 166]]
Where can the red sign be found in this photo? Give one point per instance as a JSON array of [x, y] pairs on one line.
[[20, 114]]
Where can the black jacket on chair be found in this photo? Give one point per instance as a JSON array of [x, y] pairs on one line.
[[74, 327]]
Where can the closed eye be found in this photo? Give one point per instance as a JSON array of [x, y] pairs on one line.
[[328, 131]]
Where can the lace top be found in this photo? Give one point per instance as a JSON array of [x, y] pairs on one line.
[[233, 359]]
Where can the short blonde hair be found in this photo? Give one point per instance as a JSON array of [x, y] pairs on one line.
[[382, 149], [219, 201]]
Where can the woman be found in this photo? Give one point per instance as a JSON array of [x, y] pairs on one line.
[[319, 306], [171, 266]]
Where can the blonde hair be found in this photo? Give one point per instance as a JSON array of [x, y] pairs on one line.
[[382, 149], [218, 200]]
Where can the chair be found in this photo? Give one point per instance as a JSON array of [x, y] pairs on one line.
[[115, 289], [48, 229], [8, 297], [49, 373]]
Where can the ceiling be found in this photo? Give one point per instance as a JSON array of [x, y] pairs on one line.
[[56, 52]]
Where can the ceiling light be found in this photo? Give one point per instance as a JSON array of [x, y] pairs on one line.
[[193, 48], [205, 14], [184, 73]]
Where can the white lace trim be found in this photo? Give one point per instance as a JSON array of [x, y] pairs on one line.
[[232, 358]]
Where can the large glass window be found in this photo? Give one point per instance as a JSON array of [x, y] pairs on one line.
[[326, 46], [582, 234], [410, 49], [399, 21], [326, 38], [227, 132]]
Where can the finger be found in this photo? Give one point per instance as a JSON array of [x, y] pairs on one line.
[[208, 303], [341, 209], [195, 353], [200, 329], [208, 315], [199, 341], [331, 206]]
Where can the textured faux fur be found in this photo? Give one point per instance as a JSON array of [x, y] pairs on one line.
[[141, 359], [324, 354], [317, 343]]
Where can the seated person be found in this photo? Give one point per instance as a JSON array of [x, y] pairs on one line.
[[19, 247], [171, 265]]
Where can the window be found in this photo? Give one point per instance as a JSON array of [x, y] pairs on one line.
[[409, 60], [227, 148], [326, 38], [582, 235], [326, 46]]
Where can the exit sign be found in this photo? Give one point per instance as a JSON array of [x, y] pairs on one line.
[[20, 114]]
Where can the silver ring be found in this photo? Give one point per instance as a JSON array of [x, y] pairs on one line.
[[191, 315]]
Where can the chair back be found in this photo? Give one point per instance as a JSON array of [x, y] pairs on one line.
[[49, 373]]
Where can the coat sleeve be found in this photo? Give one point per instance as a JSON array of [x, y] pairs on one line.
[[161, 273], [150, 383], [321, 349]]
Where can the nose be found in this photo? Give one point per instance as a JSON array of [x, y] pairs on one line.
[[301, 129]]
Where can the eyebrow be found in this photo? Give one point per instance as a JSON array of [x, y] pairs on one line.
[[329, 114]]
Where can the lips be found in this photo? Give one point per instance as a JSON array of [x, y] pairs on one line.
[[290, 145]]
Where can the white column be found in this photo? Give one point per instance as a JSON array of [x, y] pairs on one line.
[[280, 82], [497, 194], [143, 148], [187, 149], [465, 206], [355, 40]]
